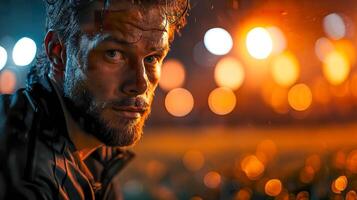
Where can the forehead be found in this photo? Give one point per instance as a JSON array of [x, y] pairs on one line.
[[124, 17]]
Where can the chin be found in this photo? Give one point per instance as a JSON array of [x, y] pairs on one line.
[[120, 131]]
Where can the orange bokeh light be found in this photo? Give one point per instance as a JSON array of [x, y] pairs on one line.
[[341, 183], [285, 69], [172, 75], [212, 179], [252, 167], [193, 160], [229, 73], [179, 102], [7, 82], [351, 195], [222, 101], [300, 97], [273, 187]]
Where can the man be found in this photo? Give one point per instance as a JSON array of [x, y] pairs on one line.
[[87, 97]]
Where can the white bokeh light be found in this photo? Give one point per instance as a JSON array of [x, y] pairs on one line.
[[334, 26], [218, 41], [259, 43], [3, 57], [279, 39], [24, 51]]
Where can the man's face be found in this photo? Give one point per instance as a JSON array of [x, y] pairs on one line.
[[113, 74]]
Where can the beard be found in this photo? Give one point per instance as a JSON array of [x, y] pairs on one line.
[[98, 118]]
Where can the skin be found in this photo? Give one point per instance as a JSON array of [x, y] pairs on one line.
[[108, 80]]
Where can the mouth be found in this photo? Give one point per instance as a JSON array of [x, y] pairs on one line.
[[130, 112]]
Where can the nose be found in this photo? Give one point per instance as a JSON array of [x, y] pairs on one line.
[[136, 80]]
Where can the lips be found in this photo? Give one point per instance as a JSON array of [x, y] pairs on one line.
[[131, 112]]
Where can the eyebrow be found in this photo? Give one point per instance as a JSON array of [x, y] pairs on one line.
[[110, 38]]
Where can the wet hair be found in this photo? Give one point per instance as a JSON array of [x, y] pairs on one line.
[[62, 16]]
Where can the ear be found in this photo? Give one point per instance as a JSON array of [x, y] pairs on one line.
[[56, 53]]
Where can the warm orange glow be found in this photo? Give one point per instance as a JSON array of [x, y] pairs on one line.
[[353, 85], [307, 174], [229, 73], [193, 160], [303, 196], [336, 68], [320, 91], [314, 161], [300, 97], [279, 100], [179, 102], [172, 75], [341, 183], [351, 195], [259, 43], [266, 150], [252, 167], [243, 194], [273, 187], [352, 162], [212, 180], [155, 169], [339, 160], [196, 198], [323, 47], [278, 38], [285, 69], [7, 82], [222, 101]]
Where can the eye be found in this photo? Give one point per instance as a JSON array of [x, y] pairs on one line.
[[114, 56], [151, 59]]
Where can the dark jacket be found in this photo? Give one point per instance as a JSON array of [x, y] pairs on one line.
[[37, 156]]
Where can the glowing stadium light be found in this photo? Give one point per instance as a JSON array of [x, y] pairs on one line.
[[24, 51], [179, 102], [334, 26], [172, 75], [229, 72], [285, 69], [278, 38], [300, 97], [336, 68], [259, 43], [3, 57], [222, 101], [218, 41]]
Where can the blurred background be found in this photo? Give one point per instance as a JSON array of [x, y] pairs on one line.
[[257, 100]]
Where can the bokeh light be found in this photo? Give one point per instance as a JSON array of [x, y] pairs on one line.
[[259, 43], [273, 187], [300, 97], [179, 102], [243, 194], [172, 75], [336, 68], [351, 195], [3, 57], [285, 69], [252, 167], [351, 163], [229, 73], [341, 183], [24, 51], [212, 180], [222, 101], [7, 82], [323, 47], [278, 38], [307, 174], [218, 41], [334, 26], [266, 150], [193, 160]]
